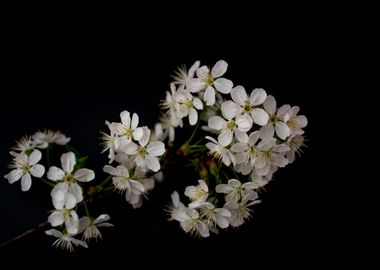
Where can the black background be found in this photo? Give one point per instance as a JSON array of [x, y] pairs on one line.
[[74, 86]]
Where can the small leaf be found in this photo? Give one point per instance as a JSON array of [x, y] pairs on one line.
[[81, 162]]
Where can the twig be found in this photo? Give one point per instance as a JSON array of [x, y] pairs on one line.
[[40, 226]]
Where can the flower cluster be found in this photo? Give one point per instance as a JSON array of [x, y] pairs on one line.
[[136, 153], [67, 192], [243, 141], [238, 141]]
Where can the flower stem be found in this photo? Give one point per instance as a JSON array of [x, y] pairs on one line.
[[85, 207], [48, 182], [194, 132]]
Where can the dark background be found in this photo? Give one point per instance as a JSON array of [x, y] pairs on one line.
[[74, 87]]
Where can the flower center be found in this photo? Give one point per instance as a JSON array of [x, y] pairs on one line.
[[273, 119], [252, 150], [128, 132], [25, 168], [189, 104], [142, 151], [198, 193], [69, 178], [210, 80], [247, 108], [231, 124]]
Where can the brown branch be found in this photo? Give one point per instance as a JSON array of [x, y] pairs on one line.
[[40, 226]]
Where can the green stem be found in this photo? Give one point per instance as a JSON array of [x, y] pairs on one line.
[[85, 207], [48, 155], [194, 132], [48, 182], [105, 181]]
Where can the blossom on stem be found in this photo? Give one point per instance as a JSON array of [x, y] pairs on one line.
[[44, 139], [90, 226], [65, 240]]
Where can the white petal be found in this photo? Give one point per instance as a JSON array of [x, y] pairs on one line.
[[223, 188], [102, 218], [222, 222], [202, 72], [253, 137], [34, 157], [301, 121], [70, 201], [156, 149], [193, 117], [209, 96], [132, 198], [61, 139], [203, 185], [110, 170], [195, 85], [267, 131], [219, 69], [84, 222], [145, 137], [280, 160], [223, 85], [203, 229], [26, 182], [282, 130], [14, 176], [56, 218], [79, 242], [225, 137], [137, 134], [72, 223], [239, 95], [125, 118], [54, 233], [239, 147], [55, 173], [230, 109], [84, 175], [37, 170], [281, 148], [175, 199], [260, 116], [244, 122], [130, 148], [242, 137], [198, 103], [75, 190], [282, 112], [68, 162], [135, 121], [270, 105], [216, 122], [152, 163], [234, 183], [257, 96]]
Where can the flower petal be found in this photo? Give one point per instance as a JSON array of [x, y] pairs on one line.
[[193, 117], [225, 137], [230, 109], [282, 130], [84, 175], [267, 131], [55, 173], [260, 116], [37, 170], [125, 117], [209, 96], [56, 218], [145, 137], [34, 157], [26, 182], [68, 162], [198, 104], [203, 229], [244, 122], [72, 223], [239, 95], [195, 85], [156, 149], [216, 122], [14, 176], [152, 163], [102, 218], [135, 121], [202, 72], [137, 134], [219, 69], [223, 85], [270, 105], [257, 96]]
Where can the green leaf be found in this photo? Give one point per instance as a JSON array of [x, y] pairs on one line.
[[81, 162]]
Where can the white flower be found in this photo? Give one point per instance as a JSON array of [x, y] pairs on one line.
[[295, 143], [127, 129], [188, 106], [67, 216], [235, 122], [177, 209], [209, 81], [65, 240], [43, 139], [25, 166], [275, 121], [198, 194], [215, 216], [235, 190], [271, 157], [240, 210], [122, 181], [295, 122], [182, 76], [194, 225], [67, 193], [145, 155], [220, 152], [259, 181], [247, 152], [23, 146], [110, 142], [249, 105], [90, 226]]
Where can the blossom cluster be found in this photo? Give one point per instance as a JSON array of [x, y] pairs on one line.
[[67, 191], [244, 139]]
